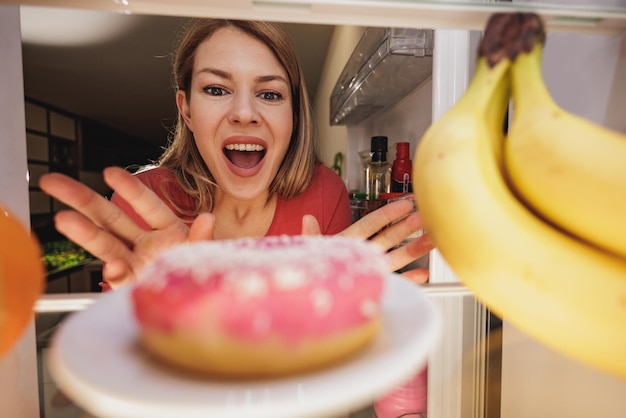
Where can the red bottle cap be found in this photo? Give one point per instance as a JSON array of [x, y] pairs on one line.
[[402, 149]]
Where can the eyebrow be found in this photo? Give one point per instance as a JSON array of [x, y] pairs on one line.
[[228, 76]]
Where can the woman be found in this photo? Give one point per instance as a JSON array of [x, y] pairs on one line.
[[241, 163]]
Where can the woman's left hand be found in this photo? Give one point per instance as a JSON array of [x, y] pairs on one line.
[[375, 226]]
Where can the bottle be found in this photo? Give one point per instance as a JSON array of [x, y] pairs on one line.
[[408, 399], [378, 170], [402, 169]]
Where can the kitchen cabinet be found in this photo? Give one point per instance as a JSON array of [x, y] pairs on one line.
[[59, 141], [471, 370]]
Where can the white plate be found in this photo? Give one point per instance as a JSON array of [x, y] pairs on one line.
[[96, 360]]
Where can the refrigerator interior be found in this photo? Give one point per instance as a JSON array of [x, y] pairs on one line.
[[481, 368], [596, 89]]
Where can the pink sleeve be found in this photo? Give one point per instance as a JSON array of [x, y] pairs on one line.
[[157, 179], [337, 214], [326, 199]]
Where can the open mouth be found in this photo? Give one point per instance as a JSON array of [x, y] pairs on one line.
[[244, 155]]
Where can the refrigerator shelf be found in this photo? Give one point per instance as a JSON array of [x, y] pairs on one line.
[[588, 16]]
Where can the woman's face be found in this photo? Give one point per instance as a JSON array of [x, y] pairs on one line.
[[240, 112]]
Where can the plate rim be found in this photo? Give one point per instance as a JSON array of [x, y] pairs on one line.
[[88, 396]]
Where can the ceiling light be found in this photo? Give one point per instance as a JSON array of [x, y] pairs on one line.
[[71, 27]]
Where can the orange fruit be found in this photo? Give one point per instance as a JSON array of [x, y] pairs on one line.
[[22, 278]]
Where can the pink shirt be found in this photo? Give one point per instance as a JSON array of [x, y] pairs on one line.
[[326, 198]]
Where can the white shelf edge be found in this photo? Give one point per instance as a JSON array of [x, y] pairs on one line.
[[397, 13]]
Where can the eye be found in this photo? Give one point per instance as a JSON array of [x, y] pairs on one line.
[[271, 96], [215, 91]]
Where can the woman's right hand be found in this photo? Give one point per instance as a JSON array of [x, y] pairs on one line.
[[104, 230]]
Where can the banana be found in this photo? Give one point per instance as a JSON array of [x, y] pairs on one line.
[[568, 169], [560, 291]]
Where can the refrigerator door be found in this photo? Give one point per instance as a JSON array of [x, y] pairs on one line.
[[481, 368]]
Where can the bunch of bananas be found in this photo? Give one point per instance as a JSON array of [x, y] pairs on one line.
[[531, 221]]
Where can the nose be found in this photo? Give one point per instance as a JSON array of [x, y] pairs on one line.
[[244, 110]]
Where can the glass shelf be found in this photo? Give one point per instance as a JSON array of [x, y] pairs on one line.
[[602, 17], [365, 86]]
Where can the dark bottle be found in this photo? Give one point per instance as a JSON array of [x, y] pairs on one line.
[[378, 171], [402, 169]]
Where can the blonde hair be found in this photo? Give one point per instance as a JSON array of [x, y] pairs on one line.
[[182, 156]]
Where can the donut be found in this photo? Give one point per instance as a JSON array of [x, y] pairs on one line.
[[260, 306]]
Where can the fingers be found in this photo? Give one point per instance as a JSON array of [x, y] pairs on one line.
[[66, 189], [391, 226], [374, 221], [310, 226], [94, 207], [202, 227], [409, 252], [117, 273], [421, 246], [85, 233], [143, 200], [398, 232], [419, 275]]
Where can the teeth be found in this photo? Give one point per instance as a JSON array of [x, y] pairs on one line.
[[244, 147]]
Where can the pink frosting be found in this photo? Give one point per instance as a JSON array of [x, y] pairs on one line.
[[290, 287]]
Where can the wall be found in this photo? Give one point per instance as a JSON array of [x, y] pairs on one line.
[[333, 139], [586, 75], [59, 141], [349, 140], [406, 121]]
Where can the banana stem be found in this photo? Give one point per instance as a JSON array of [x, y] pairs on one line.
[[509, 34], [518, 38]]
